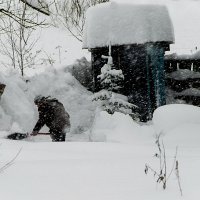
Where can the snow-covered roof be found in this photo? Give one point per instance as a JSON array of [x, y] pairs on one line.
[[119, 24], [190, 92], [183, 74], [175, 56]]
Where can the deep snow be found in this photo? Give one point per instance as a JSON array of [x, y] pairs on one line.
[[113, 169], [106, 161]]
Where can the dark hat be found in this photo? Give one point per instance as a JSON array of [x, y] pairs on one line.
[[39, 99]]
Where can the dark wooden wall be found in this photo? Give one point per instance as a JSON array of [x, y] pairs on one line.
[[182, 84], [143, 69]]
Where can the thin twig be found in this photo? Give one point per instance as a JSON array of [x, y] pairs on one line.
[[10, 162], [174, 163], [165, 167], [162, 174], [178, 177], [43, 10]]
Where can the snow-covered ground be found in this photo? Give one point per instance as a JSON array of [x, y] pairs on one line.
[[103, 161], [113, 169], [104, 157]]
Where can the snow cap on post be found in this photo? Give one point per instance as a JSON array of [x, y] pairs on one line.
[[121, 24]]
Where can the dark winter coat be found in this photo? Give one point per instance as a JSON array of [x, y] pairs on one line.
[[2, 87], [52, 114]]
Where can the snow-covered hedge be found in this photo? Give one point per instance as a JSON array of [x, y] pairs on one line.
[[82, 71]]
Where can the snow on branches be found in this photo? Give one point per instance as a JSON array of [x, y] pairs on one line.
[[111, 81], [110, 78], [113, 102]]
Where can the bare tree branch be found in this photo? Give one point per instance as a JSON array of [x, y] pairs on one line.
[[72, 14], [19, 41], [10, 162], [12, 9], [43, 8]]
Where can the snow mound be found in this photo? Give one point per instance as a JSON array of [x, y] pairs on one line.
[[183, 74], [15, 105], [119, 128], [178, 124], [186, 135], [18, 111], [169, 117]]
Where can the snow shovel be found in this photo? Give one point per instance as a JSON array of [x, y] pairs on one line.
[[21, 136]]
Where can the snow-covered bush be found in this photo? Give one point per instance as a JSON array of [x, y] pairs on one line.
[[82, 71], [111, 81], [113, 102]]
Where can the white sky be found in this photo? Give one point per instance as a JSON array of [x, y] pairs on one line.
[[185, 16]]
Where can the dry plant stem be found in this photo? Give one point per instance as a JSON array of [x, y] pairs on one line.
[[162, 174], [165, 168], [174, 163], [178, 177], [160, 152], [10, 162], [162, 159], [160, 177]]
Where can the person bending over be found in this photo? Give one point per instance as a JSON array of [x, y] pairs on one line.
[[52, 114]]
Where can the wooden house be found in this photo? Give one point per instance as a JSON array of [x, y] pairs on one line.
[[139, 35]]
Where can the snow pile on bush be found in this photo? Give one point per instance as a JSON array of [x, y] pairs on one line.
[[179, 124], [119, 128], [82, 71]]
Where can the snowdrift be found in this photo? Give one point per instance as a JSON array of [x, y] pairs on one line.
[[120, 128], [18, 112], [178, 123]]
